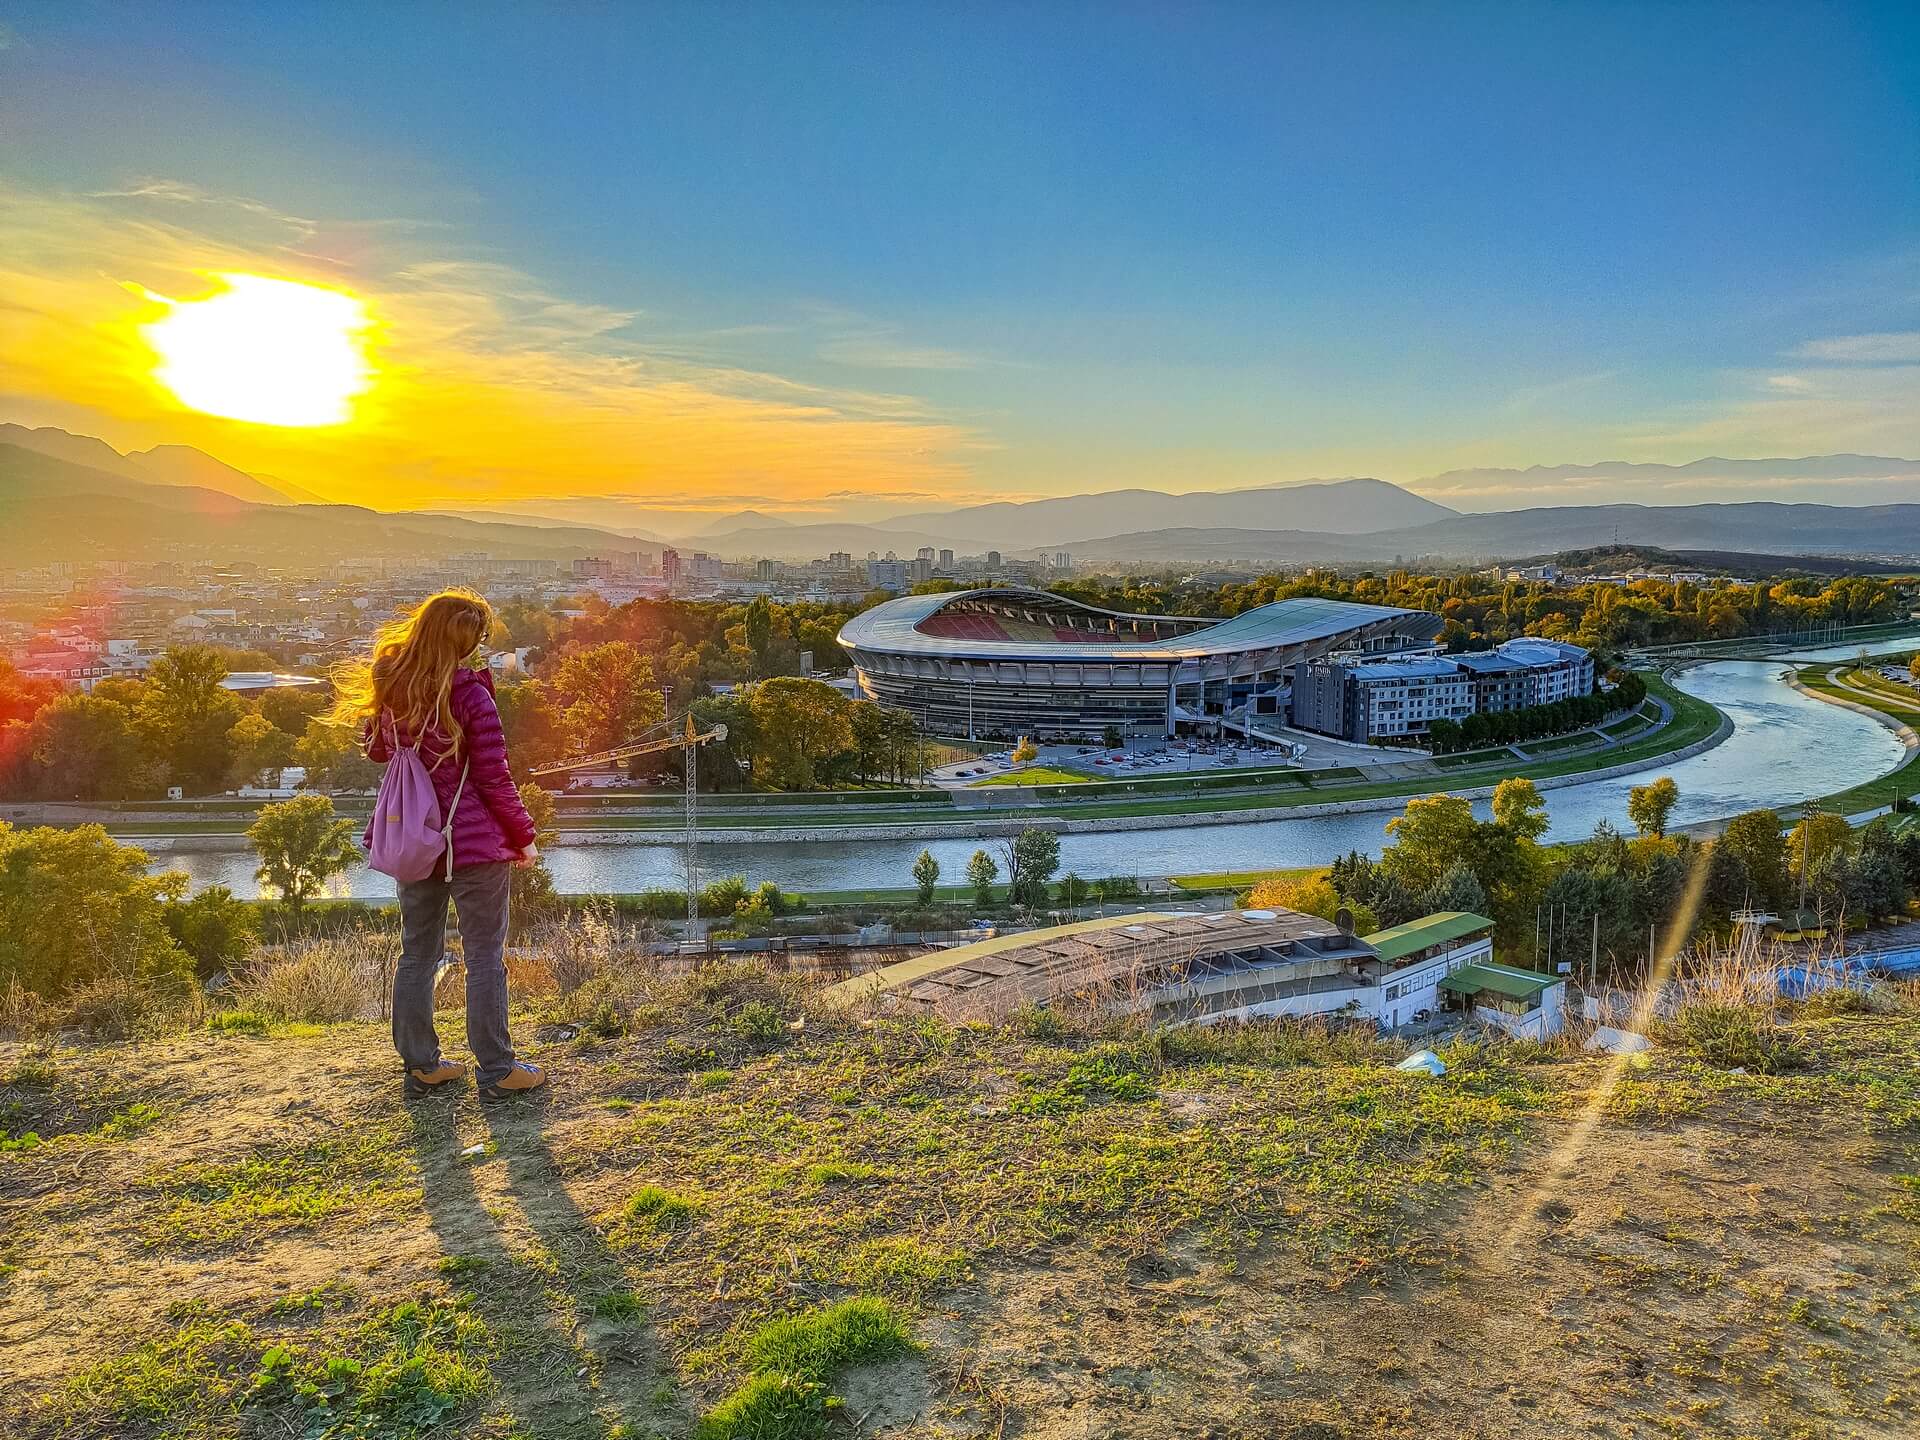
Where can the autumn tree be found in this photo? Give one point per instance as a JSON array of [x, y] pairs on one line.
[[1649, 805], [607, 696]]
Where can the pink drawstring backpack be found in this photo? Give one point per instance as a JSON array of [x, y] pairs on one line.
[[406, 836]]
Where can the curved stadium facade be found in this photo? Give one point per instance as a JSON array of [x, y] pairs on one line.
[[1009, 661]]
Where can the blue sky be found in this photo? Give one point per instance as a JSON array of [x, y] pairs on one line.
[[1095, 245]]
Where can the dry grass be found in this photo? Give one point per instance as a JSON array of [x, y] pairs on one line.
[[322, 980]]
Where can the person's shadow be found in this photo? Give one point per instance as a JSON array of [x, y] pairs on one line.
[[577, 1355]]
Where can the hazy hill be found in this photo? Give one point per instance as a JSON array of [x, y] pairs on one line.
[[1845, 479], [1344, 507], [1751, 525], [162, 465], [52, 509], [744, 520]]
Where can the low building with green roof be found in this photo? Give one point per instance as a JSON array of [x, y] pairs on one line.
[[1522, 1002]]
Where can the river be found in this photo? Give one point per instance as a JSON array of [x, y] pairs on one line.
[[1785, 748]]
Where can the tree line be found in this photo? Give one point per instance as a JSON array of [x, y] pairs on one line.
[[1546, 899]]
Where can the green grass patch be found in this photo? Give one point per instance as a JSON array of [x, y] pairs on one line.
[[793, 1360], [279, 1189], [1033, 775], [408, 1372], [654, 1207]]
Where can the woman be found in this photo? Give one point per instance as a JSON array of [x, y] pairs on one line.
[[422, 689]]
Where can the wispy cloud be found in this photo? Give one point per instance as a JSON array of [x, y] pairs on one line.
[[1891, 347], [851, 339]]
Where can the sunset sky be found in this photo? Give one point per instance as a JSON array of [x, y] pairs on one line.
[[851, 259]]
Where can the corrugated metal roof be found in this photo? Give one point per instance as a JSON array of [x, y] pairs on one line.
[[1040, 965], [1400, 941], [1500, 979]]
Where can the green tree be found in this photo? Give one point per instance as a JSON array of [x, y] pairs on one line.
[[1431, 834], [186, 717], [301, 845], [217, 929], [800, 728], [1113, 737], [290, 707], [1755, 840], [76, 908], [1031, 858], [531, 891], [258, 744], [535, 730], [1813, 840], [981, 873], [80, 747], [1649, 805], [333, 759], [926, 875], [608, 696], [1072, 891]]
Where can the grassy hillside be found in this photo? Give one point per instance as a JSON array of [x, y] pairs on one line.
[[737, 1216]]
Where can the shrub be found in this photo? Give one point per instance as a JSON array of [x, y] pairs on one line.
[[215, 928], [122, 1008], [723, 897], [759, 1023], [577, 949], [1733, 1037]]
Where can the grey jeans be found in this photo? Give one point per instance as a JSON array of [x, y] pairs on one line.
[[479, 894]]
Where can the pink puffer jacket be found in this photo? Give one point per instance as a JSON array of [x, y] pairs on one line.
[[491, 824]]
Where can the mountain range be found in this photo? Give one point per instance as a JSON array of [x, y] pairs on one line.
[[176, 500]]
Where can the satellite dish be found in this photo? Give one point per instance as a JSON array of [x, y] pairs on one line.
[[1343, 917]]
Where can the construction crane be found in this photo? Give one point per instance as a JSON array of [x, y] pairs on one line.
[[690, 742]]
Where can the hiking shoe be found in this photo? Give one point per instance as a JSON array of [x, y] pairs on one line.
[[521, 1079], [425, 1082]]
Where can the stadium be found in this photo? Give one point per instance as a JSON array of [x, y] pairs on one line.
[[1005, 661]]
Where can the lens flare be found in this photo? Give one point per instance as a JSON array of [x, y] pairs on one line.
[[274, 352]]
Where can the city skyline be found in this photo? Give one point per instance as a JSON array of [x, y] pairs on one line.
[[871, 262]]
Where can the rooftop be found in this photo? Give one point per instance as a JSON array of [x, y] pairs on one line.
[[1037, 965], [1398, 942], [1500, 979], [896, 626]]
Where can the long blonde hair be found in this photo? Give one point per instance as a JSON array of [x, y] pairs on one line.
[[411, 669]]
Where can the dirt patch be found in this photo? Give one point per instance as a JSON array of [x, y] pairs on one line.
[[1354, 1254]]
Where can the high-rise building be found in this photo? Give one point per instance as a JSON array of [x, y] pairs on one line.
[[946, 559], [670, 566]]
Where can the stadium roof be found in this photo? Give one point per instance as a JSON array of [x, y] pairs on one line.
[[894, 628]]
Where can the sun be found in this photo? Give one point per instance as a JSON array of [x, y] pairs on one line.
[[274, 352]]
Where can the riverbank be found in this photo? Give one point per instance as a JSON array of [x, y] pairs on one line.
[[1686, 726], [1893, 707]]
